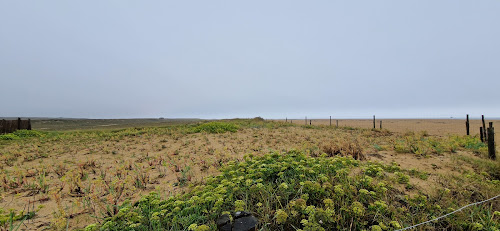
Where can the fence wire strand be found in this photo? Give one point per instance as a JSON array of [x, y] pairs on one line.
[[443, 216]]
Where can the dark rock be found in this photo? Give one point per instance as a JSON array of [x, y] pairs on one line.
[[243, 221], [224, 223]]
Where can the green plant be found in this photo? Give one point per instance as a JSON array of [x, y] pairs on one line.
[[9, 136], [292, 191], [216, 127]]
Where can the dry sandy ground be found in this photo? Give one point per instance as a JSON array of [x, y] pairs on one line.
[[437, 127], [159, 157]]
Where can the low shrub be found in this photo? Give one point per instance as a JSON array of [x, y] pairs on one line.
[[9, 136], [27, 133], [215, 127], [292, 191]]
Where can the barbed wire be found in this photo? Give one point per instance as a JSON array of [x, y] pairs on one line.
[[443, 216]]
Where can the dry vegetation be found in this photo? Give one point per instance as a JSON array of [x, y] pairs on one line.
[[435, 127], [61, 180]]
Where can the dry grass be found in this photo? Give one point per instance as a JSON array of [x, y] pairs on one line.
[[73, 179], [435, 127]]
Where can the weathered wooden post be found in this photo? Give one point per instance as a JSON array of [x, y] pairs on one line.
[[29, 124], [18, 123], [286, 119], [481, 134], [2, 126], [310, 122], [467, 125], [330, 121], [306, 120], [491, 142], [485, 136], [381, 125], [373, 121]]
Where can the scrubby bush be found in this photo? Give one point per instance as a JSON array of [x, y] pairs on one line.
[[27, 133], [215, 127], [9, 136]]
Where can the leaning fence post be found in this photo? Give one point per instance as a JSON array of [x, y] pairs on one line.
[[491, 142], [485, 136], [481, 134], [467, 125]]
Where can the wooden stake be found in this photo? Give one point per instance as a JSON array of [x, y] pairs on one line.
[[286, 119], [18, 123], [491, 142], [481, 134], [381, 125], [484, 130], [330, 121], [373, 121], [467, 125]]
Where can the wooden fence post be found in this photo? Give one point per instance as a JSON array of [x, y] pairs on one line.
[[330, 121], [29, 124], [18, 123], [306, 120], [467, 125], [373, 121], [491, 142], [337, 123], [485, 136], [2, 126], [381, 125], [481, 134], [310, 122], [286, 119]]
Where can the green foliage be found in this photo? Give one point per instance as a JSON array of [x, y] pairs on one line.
[[216, 127], [9, 136], [8, 218], [422, 144], [292, 191], [21, 134], [27, 133]]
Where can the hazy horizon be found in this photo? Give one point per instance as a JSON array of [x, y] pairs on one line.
[[226, 59]]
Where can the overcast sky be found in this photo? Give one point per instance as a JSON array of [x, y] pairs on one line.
[[226, 59]]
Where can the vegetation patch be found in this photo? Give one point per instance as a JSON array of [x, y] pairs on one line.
[[216, 127], [292, 191], [19, 134]]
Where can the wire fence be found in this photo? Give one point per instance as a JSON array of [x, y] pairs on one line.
[[448, 214], [438, 127]]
